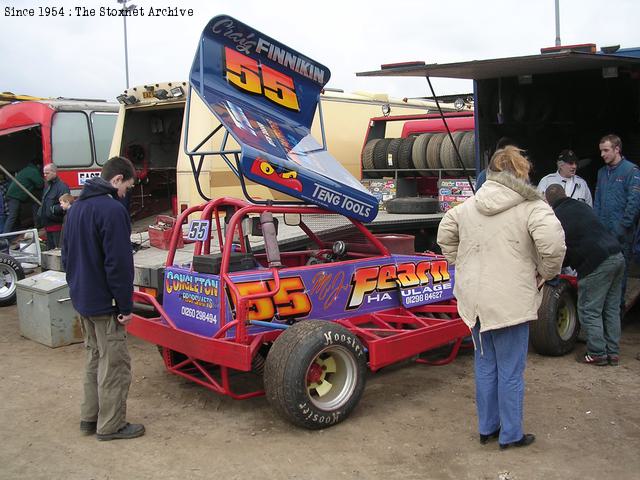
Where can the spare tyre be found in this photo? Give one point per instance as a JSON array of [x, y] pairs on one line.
[[433, 151], [380, 156], [419, 154], [393, 150], [448, 156], [367, 158], [404, 156], [468, 149], [409, 205]]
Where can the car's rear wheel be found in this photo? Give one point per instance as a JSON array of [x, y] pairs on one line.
[[315, 373]]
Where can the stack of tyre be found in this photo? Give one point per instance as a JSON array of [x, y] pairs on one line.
[[425, 154]]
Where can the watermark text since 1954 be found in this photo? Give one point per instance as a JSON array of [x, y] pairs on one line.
[[103, 11]]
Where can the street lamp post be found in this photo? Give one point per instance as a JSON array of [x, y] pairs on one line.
[[558, 42], [126, 9]]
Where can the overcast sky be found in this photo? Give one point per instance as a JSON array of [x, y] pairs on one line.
[[76, 56]]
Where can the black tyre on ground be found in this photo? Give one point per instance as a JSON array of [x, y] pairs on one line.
[[413, 205], [367, 158], [380, 157], [315, 373], [10, 273], [557, 328]]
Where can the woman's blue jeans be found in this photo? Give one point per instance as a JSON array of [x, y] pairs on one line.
[[500, 360]]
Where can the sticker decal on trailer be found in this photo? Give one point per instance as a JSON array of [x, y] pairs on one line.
[[84, 176]]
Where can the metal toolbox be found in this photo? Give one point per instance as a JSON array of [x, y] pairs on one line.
[[45, 312]]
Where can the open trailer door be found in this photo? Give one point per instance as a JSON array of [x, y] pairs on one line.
[[266, 94]]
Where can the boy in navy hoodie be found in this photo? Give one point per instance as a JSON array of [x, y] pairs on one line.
[[98, 260]]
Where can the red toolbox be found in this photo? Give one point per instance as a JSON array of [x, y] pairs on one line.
[[161, 231]]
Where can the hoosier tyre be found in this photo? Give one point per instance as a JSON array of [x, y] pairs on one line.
[[10, 273], [315, 374], [557, 328]]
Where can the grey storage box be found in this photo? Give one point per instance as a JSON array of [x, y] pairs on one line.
[[45, 312]]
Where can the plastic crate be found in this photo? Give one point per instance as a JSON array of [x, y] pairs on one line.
[[161, 231]]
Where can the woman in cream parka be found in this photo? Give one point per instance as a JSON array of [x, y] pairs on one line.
[[504, 242]]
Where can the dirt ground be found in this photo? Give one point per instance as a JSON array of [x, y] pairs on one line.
[[413, 422]]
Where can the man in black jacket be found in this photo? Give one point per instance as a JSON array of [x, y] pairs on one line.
[[98, 260], [597, 257], [50, 214]]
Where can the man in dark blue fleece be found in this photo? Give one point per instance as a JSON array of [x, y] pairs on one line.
[[98, 259]]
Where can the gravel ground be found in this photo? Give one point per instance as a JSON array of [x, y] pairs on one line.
[[413, 422]]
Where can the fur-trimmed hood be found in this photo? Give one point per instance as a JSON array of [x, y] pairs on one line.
[[503, 191]]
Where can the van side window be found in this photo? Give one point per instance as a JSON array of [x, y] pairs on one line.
[[70, 141], [103, 125]]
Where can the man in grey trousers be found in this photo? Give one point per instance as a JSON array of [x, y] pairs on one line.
[[597, 257], [98, 260]]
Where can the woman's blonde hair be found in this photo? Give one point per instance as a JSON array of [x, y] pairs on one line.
[[510, 159]]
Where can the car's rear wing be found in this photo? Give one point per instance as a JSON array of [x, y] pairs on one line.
[[265, 94]]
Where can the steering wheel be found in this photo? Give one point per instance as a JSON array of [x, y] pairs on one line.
[[338, 251], [320, 256]]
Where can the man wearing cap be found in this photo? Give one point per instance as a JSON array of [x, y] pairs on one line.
[[574, 186]]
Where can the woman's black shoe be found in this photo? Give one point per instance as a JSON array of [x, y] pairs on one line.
[[527, 439], [485, 438]]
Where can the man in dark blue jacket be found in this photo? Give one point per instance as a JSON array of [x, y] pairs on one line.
[[97, 256], [617, 198], [597, 257]]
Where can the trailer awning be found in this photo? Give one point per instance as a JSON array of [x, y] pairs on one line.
[[565, 61]]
